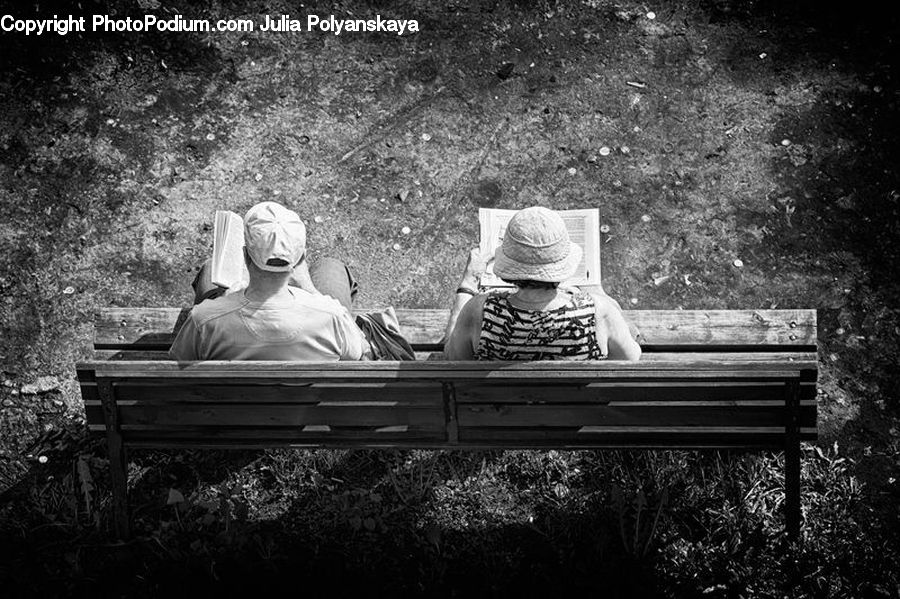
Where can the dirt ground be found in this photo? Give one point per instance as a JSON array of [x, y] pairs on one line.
[[751, 164]]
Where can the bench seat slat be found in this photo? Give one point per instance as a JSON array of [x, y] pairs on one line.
[[426, 443], [198, 434], [536, 417], [625, 391], [174, 392], [772, 437], [278, 415]]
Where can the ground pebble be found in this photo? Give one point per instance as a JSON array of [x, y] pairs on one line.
[[604, 228], [604, 151], [572, 170], [646, 218], [43, 459], [406, 230], [762, 56], [738, 263], [69, 290], [396, 247], [258, 177], [651, 15], [625, 149], [210, 136], [634, 300], [785, 142], [318, 219], [426, 137]]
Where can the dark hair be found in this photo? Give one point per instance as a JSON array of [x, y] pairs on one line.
[[534, 284]]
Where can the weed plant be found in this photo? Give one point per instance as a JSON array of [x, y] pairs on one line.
[[558, 523]]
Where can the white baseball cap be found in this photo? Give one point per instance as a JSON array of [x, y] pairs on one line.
[[274, 236]]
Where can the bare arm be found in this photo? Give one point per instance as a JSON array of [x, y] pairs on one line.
[[465, 314], [462, 340], [613, 333], [470, 280]]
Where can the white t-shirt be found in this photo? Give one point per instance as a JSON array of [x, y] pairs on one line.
[[295, 326]]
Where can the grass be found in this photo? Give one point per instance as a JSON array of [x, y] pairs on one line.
[[116, 149]]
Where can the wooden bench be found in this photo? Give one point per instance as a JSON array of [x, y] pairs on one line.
[[708, 379]]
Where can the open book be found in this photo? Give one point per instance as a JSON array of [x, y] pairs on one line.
[[227, 267], [584, 229]]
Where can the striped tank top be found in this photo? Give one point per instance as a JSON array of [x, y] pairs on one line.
[[565, 333]]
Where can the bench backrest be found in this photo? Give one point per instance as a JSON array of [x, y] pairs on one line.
[[707, 379], [153, 329]]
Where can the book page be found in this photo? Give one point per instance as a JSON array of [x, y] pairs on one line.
[[583, 227], [227, 265]]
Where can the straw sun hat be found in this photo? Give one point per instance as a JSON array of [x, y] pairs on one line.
[[536, 247]]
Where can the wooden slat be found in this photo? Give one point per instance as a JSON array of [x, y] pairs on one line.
[[154, 328], [396, 371], [623, 391], [620, 391], [217, 392], [771, 437], [434, 444], [136, 355], [275, 415], [542, 416], [489, 438], [358, 436], [708, 328]]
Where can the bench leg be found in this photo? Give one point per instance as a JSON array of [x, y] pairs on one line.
[[792, 513], [118, 465], [118, 471]]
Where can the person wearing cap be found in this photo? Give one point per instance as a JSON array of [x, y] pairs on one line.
[[540, 320], [285, 312]]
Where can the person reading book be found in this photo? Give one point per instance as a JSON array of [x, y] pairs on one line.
[[285, 312], [539, 319]]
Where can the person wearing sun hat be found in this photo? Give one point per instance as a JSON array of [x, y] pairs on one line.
[[285, 312], [540, 320]]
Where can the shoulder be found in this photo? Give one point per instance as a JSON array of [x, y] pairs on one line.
[[471, 316], [474, 308], [212, 309], [319, 302], [604, 304]]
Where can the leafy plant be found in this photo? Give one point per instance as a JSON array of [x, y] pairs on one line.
[[638, 518]]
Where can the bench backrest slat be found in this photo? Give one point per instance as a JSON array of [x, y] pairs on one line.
[[659, 330]]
